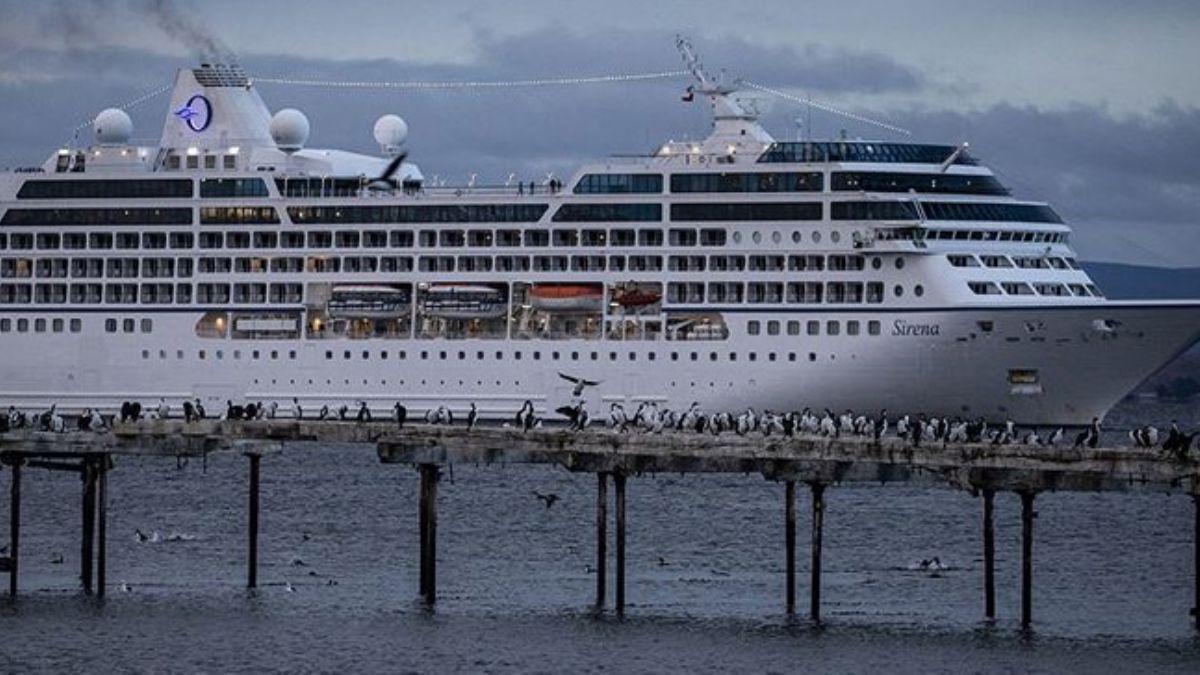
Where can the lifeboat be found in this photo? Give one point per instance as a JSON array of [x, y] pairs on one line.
[[635, 298], [368, 302], [463, 301], [567, 297]]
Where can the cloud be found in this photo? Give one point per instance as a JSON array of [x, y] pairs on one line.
[[1128, 184]]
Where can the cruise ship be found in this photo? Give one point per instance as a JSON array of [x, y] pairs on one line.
[[230, 262]]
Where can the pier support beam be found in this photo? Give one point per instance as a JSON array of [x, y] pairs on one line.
[[1195, 563], [87, 540], [428, 519], [989, 555], [818, 525], [14, 529], [789, 538], [601, 537], [1027, 516], [252, 529], [102, 527], [619, 484]]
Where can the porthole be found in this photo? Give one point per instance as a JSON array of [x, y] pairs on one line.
[[898, 290], [816, 237], [796, 237], [899, 263], [757, 237], [835, 236], [876, 263], [776, 237], [737, 237], [919, 290]]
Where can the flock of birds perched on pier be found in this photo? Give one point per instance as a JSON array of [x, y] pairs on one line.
[[650, 418]]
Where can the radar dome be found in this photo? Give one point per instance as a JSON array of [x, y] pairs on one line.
[[390, 133], [289, 129], [113, 127]]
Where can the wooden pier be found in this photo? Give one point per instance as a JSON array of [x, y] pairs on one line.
[[818, 462]]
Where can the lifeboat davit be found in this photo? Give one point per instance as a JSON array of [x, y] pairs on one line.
[[567, 297]]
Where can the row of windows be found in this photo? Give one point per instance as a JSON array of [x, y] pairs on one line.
[[619, 183], [481, 355], [734, 211], [78, 241], [868, 181], [319, 187], [847, 151], [776, 292], [1045, 288], [135, 216], [149, 294], [1024, 213], [239, 215], [808, 181], [420, 213], [1048, 262], [94, 268], [615, 213], [44, 325], [875, 210], [832, 327], [107, 189], [233, 187], [998, 235]]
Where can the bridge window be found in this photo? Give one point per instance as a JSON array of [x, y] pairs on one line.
[[1027, 213], [878, 210], [919, 182], [106, 189], [845, 151]]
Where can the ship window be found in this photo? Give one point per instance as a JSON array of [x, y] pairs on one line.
[[772, 328], [747, 211], [619, 183], [400, 239], [874, 210], [1028, 213], [577, 213], [983, 288], [847, 151], [76, 325], [1016, 288], [873, 327], [809, 181], [962, 261], [752, 328], [423, 213], [232, 187], [814, 328], [996, 261], [537, 238], [919, 182]]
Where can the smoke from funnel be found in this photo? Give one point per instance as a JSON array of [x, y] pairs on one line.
[[185, 28]]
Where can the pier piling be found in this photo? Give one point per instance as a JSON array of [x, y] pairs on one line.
[[619, 484], [87, 540], [1195, 563], [252, 555], [989, 555], [428, 518], [818, 525], [601, 537], [1027, 516], [14, 528], [102, 527], [790, 543]]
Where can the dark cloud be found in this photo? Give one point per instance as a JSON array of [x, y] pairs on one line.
[[1095, 167]]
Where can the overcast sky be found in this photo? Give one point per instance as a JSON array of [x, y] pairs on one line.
[[1093, 106]]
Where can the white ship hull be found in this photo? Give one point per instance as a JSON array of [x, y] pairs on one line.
[[1082, 371]]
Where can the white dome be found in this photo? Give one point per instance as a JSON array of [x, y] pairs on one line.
[[112, 127], [390, 133], [289, 128]]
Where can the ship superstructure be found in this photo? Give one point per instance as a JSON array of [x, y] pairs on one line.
[[230, 262]]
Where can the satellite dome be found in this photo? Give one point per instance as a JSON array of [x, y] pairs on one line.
[[390, 133], [113, 127], [289, 129]]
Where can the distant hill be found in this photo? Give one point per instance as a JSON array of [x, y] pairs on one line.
[[1131, 282]]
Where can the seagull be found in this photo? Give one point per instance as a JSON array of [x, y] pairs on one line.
[[400, 414], [57, 559], [126, 588], [549, 498], [288, 587], [579, 382], [472, 417], [297, 411], [164, 410]]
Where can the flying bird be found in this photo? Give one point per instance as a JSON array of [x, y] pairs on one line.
[[579, 382]]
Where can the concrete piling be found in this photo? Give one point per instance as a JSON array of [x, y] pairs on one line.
[[102, 527], [428, 519], [989, 555], [818, 525], [619, 484], [789, 538], [601, 537], [87, 538], [252, 554], [14, 528], [1027, 516]]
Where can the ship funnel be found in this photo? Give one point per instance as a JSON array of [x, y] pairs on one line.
[[213, 107]]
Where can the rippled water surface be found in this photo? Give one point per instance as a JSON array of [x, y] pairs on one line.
[[1113, 575]]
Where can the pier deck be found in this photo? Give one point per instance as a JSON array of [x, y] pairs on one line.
[[818, 462]]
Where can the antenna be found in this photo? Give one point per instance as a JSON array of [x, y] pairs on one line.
[[692, 62]]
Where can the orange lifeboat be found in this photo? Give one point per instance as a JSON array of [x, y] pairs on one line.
[[636, 298], [566, 297]]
